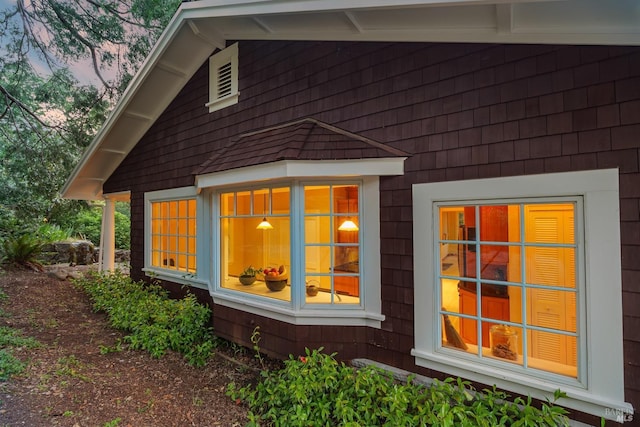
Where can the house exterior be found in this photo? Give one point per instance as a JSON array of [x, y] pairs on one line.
[[449, 188]]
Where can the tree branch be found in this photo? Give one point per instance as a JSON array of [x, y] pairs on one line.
[[13, 100]]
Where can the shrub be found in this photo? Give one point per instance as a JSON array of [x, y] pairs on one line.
[[88, 223], [21, 250], [155, 322], [49, 233], [317, 390]]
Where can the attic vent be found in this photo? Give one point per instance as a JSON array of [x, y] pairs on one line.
[[223, 78]]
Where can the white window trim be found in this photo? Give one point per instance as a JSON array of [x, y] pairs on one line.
[[604, 391], [228, 55], [202, 270]]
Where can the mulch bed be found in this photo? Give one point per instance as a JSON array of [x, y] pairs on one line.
[[68, 382]]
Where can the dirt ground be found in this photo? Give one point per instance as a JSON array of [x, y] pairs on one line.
[[68, 382]]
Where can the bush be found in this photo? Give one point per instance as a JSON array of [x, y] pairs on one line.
[[49, 233], [88, 223], [21, 250], [318, 390], [155, 322]]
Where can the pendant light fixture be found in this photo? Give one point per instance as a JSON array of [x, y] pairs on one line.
[[348, 224], [264, 225]]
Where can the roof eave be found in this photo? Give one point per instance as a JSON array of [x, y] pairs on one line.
[[198, 28]]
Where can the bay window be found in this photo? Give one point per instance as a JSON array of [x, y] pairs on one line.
[[321, 263]]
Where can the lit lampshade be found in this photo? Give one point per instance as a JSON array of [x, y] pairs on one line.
[[348, 225], [264, 225]]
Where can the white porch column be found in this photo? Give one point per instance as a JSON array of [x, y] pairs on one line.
[[108, 236]]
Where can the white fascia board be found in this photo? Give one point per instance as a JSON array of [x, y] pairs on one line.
[[204, 8], [170, 33], [303, 169]]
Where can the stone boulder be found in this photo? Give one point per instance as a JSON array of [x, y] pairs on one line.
[[78, 252]]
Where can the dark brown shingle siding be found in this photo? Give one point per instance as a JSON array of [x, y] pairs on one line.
[[463, 111]]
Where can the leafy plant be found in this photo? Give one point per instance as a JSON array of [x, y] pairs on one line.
[[52, 233], [9, 364], [155, 322], [88, 223], [250, 271], [315, 389], [255, 340], [21, 250]]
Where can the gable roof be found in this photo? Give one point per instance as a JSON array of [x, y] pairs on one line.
[[305, 139], [200, 27]]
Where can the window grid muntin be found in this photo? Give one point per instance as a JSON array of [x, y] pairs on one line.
[[478, 281], [167, 232]]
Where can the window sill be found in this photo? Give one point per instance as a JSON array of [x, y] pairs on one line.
[[176, 277], [282, 311], [221, 103], [577, 397]]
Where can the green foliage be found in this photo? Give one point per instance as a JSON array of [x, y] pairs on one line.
[[251, 271], [21, 250], [47, 116], [87, 223], [155, 322], [9, 364], [318, 390], [48, 233]]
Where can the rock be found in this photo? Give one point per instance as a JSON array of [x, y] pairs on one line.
[[58, 274], [80, 252]]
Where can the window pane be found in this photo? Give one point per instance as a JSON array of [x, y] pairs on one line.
[[551, 266], [453, 335], [261, 205], [243, 201], [494, 262], [317, 199], [505, 343], [553, 352], [281, 201], [550, 223], [227, 204], [317, 229], [494, 226], [318, 259]]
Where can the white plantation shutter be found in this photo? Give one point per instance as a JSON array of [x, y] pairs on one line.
[[553, 266]]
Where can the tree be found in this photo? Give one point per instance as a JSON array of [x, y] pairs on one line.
[[47, 116]]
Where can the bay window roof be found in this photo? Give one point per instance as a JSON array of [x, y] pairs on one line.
[[305, 139]]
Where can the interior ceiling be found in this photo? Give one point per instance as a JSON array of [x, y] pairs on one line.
[[200, 27]]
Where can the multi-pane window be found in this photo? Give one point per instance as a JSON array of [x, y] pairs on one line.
[[331, 243], [507, 282], [173, 235], [321, 262]]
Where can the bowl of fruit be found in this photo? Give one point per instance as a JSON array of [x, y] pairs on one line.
[[275, 278]]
